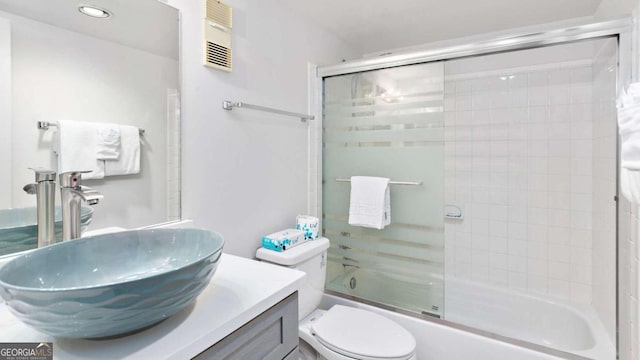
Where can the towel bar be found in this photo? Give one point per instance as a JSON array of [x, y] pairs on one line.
[[45, 125], [229, 105], [416, 183]]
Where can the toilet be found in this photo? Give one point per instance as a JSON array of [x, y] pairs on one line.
[[342, 332]]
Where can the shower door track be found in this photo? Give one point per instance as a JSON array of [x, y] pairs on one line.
[[496, 45], [621, 29]]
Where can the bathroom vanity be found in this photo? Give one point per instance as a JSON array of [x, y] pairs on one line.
[[248, 311]]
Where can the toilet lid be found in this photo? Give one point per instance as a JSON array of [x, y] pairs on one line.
[[362, 334]]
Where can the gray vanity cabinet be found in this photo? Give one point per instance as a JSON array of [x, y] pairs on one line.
[[272, 335]]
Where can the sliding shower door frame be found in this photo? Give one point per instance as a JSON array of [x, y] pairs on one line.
[[622, 29], [490, 46]]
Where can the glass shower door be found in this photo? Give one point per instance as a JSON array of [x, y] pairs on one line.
[[387, 123]]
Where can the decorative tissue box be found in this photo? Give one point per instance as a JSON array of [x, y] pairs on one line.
[[283, 240], [308, 224]]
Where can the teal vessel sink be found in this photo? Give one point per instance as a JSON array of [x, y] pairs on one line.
[[19, 232], [112, 284]]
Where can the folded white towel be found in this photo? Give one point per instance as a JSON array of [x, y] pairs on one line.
[[629, 127], [370, 204], [129, 160], [630, 185], [76, 148], [108, 146], [630, 97], [630, 151]]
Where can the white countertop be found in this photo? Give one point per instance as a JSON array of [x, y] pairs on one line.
[[240, 290]]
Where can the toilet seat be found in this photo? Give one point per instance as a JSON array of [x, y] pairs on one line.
[[361, 334]]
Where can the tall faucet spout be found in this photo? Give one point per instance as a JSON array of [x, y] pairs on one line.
[[72, 195], [44, 189]]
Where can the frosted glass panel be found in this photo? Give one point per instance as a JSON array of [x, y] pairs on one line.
[[387, 123]]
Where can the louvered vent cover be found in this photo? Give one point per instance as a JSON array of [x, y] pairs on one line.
[[218, 56], [219, 13], [217, 33]]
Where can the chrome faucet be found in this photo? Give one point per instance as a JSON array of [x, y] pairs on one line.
[[44, 189], [72, 194]]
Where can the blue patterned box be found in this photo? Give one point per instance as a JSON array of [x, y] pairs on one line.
[[308, 224], [283, 240]]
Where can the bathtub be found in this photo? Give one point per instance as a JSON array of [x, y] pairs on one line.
[[483, 314]]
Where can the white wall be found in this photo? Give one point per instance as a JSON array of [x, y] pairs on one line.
[[173, 156], [533, 29], [59, 74], [5, 111], [614, 8], [245, 172]]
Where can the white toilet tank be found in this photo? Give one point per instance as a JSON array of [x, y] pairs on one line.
[[309, 257]]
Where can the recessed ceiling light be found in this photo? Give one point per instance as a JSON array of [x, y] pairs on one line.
[[94, 11]]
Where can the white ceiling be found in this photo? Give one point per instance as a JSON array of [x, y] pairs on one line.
[[376, 25], [147, 25]]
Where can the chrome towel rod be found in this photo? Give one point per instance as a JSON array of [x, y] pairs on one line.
[[416, 183], [229, 105], [45, 125]]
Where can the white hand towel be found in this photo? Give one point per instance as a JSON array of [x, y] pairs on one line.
[[370, 204], [108, 146], [76, 148], [129, 161]]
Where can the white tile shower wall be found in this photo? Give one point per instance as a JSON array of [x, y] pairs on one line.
[[518, 161], [604, 184], [629, 245], [629, 240], [628, 265]]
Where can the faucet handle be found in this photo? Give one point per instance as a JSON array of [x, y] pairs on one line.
[[30, 189], [72, 178], [44, 174]]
